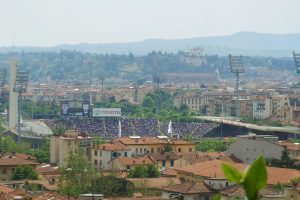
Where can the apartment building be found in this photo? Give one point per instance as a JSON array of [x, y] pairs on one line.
[[249, 147], [142, 145], [104, 154], [71, 142], [193, 102]]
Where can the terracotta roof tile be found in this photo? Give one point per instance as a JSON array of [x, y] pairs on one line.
[[150, 140], [213, 169], [5, 189], [128, 161], [112, 147], [189, 188]]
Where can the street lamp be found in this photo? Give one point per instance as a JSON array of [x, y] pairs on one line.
[[237, 67], [20, 87]]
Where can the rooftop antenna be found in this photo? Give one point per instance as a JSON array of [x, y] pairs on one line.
[[237, 67]]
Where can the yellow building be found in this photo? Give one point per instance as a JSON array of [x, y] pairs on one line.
[[70, 142], [142, 145]]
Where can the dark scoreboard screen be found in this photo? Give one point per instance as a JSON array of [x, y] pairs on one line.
[[75, 108]]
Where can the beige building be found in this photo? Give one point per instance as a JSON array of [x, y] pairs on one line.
[[103, 154], [71, 142], [276, 107], [193, 101], [249, 147]]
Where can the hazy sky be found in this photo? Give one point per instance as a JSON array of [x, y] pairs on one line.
[[52, 22]]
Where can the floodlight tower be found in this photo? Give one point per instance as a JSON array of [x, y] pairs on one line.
[[297, 61], [101, 78], [20, 87], [237, 67]]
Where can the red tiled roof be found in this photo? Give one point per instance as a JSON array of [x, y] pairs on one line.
[[112, 147], [237, 190], [10, 160], [150, 140], [5, 189], [290, 145], [128, 161], [213, 169], [189, 188]]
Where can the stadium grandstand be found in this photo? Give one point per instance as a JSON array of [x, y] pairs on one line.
[[108, 127]]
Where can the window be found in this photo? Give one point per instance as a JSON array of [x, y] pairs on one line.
[[152, 150], [158, 149], [100, 153], [95, 162], [13, 170], [145, 150], [125, 153], [100, 163], [141, 150], [4, 171], [226, 184], [179, 150], [163, 163], [96, 153], [172, 163], [136, 150], [190, 149]]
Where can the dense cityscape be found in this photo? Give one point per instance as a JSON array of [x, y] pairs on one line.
[[203, 118]]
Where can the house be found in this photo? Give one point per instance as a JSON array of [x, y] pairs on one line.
[[188, 190], [71, 142], [9, 163], [237, 192], [165, 160], [103, 154], [127, 163]]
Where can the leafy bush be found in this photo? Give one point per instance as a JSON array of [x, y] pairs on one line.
[[24, 172], [144, 172], [111, 186]]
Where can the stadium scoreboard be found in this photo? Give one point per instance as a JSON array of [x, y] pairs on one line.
[[75, 108]]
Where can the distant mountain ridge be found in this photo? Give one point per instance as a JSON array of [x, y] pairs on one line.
[[246, 43]]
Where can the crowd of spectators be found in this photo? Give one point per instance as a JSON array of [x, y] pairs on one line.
[[108, 128]]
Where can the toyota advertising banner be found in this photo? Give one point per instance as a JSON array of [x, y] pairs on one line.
[[107, 112]]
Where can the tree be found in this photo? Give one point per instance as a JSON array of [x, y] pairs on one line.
[[24, 172], [77, 177], [152, 171], [286, 160], [138, 172], [111, 186], [144, 172]]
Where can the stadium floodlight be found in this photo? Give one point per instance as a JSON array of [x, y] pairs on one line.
[[237, 67], [297, 61], [20, 87]]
